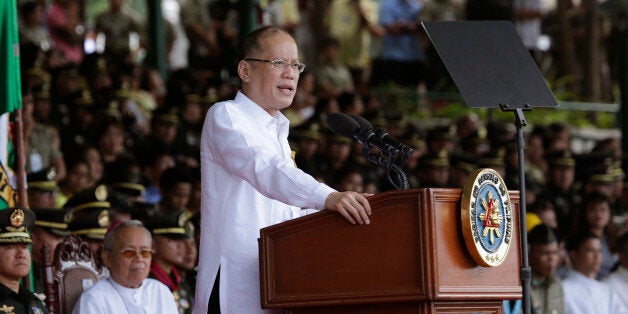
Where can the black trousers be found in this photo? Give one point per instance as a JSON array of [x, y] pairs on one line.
[[213, 307]]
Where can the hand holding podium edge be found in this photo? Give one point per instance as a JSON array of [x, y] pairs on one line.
[[352, 205]]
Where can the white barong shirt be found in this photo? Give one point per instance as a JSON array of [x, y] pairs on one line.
[[249, 181], [107, 297]]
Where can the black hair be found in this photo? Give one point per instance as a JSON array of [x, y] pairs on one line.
[[577, 239], [250, 44], [171, 176]]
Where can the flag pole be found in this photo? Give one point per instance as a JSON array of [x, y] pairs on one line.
[[20, 174], [20, 162]]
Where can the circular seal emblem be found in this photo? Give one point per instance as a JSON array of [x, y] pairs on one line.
[[103, 219], [183, 218], [486, 217], [17, 218], [101, 192], [51, 174]]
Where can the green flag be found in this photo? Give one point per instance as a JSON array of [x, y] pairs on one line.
[[11, 89], [10, 97]]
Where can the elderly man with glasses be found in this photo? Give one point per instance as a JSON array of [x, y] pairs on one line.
[[127, 254]]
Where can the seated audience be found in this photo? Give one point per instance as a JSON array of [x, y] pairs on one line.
[[583, 293], [595, 217]]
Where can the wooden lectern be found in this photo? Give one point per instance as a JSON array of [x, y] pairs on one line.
[[412, 258]]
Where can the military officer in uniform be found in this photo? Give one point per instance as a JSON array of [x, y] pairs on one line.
[[433, 169], [546, 290], [92, 228], [42, 188], [90, 216], [15, 262], [51, 227], [169, 235], [560, 189]]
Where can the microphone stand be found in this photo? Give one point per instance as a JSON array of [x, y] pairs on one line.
[[400, 181]]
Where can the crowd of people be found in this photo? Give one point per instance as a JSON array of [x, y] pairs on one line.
[[108, 140]]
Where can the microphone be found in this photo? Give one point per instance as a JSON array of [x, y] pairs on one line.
[[359, 130], [343, 125], [382, 135]]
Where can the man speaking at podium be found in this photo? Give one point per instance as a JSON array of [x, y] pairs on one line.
[[249, 180]]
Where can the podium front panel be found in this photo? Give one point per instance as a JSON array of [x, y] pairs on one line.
[[323, 259]]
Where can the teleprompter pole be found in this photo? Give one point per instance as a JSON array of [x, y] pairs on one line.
[[525, 272]]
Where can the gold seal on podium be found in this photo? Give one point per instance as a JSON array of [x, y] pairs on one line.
[[486, 214]]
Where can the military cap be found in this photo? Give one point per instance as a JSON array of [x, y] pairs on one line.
[[173, 224], [541, 234], [190, 229], [143, 211], [380, 122], [399, 123], [16, 224], [337, 139], [54, 220], [601, 174], [92, 225], [474, 138], [82, 99], [166, 116], [43, 180], [124, 177], [494, 158], [69, 70], [112, 111], [192, 98], [89, 199], [499, 131], [599, 167], [120, 203], [560, 158], [417, 143], [441, 133], [42, 94], [124, 91], [129, 188], [618, 171], [467, 163], [435, 160], [93, 65], [210, 97], [38, 72], [309, 131]]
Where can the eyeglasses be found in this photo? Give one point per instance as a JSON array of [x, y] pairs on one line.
[[281, 64], [129, 253]]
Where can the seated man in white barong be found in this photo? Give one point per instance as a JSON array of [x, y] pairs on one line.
[[127, 253]]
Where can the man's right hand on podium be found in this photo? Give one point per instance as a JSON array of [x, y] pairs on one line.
[[351, 205]]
